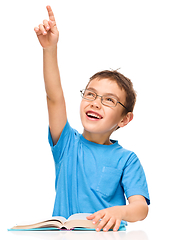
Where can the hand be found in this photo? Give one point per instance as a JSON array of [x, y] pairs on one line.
[[110, 218], [47, 32]]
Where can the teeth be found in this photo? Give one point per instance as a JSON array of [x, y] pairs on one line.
[[93, 115]]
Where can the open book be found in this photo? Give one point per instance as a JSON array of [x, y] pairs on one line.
[[75, 221]]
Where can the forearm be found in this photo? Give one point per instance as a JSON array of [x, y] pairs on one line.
[[111, 217], [51, 74], [135, 211], [48, 36]]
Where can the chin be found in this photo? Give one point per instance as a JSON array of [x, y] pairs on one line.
[[92, 128]]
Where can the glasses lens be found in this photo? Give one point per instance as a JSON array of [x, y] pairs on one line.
[[109, 101], [89, 95]]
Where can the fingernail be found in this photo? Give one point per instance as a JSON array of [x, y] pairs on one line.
[[94, 222], [105, 229], [97, 229]]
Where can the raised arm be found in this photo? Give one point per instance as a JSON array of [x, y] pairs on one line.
[[48, 36]]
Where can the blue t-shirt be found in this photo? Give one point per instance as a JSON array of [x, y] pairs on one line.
[[91, 177]]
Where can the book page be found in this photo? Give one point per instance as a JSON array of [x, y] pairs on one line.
[[60, 218], [52, 222], [79, 216], [32, 222]]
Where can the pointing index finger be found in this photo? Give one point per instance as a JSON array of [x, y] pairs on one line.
[[50, 13]]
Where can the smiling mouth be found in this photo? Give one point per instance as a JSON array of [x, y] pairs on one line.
[[93, 115]]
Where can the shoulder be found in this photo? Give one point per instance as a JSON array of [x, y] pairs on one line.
[[67, 143], [124, 156], [68, 134], [125, 153]]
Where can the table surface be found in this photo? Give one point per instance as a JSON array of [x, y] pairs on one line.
[[82, 235], [66, 235]]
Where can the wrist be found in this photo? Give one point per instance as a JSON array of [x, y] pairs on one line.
[[122, 210], [50, 48]]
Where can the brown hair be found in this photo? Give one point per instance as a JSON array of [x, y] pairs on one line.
[[123, 83]]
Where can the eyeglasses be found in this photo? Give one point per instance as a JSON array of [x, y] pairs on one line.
[[106, 100]]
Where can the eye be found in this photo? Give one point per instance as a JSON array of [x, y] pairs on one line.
[[89, 95], [109, 100]]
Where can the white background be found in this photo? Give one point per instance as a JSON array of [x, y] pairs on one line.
[[94, 35]]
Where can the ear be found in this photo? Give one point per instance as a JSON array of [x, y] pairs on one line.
[[126, 119]]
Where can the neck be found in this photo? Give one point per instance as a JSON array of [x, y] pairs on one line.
[[97, 138]]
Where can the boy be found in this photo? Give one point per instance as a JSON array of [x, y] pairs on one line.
[[93, 172]]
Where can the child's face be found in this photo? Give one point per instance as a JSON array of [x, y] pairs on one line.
[[110, 117]]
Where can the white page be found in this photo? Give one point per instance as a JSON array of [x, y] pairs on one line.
[[79, 216], [30, 222], [60, 218]]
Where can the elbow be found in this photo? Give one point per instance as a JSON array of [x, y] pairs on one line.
[[145, 212]]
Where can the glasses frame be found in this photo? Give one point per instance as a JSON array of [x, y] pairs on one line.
[[96, 95]]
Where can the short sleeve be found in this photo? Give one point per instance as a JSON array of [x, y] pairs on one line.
[[134, 179], [61, 146]]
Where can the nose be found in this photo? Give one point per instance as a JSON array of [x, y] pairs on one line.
[[97, 102]]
